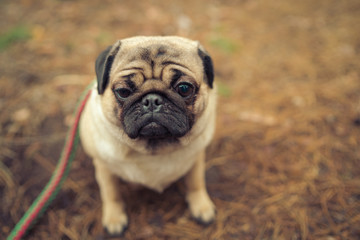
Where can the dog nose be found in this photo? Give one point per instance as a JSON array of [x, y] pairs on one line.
[[152, 102]]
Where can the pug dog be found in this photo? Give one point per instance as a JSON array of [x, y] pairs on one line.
[[148, 120]]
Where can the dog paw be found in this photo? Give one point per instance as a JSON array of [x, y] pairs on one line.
[[114, 219], [201, 207]]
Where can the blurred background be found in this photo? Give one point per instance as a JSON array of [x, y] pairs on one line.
[[284, 163]]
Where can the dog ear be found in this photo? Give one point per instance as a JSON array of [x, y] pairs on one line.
[[103, 65], [208, 65]]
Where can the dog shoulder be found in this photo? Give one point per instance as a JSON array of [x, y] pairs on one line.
[[97, 133]]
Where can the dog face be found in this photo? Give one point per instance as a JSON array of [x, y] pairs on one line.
[[154, 88]]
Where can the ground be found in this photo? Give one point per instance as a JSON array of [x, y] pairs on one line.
[[284, 163]]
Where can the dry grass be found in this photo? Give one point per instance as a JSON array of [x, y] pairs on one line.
[[285, 160]]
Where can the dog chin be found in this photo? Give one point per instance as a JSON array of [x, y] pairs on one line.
[[156, 126], [154, 130], [156, 138], [160, 145]]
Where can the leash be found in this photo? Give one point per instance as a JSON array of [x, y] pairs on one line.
[[52, 188]]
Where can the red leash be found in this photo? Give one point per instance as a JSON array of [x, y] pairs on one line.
[[52, 188]]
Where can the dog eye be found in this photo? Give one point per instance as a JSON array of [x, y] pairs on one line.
[[122, 93], [185, 89]]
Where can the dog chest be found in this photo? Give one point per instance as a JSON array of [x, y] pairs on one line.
[[154, 172]]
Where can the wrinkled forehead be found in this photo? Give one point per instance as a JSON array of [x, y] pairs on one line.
[[153, 50], [150, 52]]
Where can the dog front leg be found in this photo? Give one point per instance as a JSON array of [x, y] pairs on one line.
[[114, 218], [201, 207]]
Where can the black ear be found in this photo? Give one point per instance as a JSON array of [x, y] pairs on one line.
[[103, 65], [208, 66]]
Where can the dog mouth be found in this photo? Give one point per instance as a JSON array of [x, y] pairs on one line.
[[156, 118], [156, 126], [154, 130]]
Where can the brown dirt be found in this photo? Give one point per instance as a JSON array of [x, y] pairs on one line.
[[285, 160]]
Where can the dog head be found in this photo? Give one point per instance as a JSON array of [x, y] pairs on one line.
[[154, 88]]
